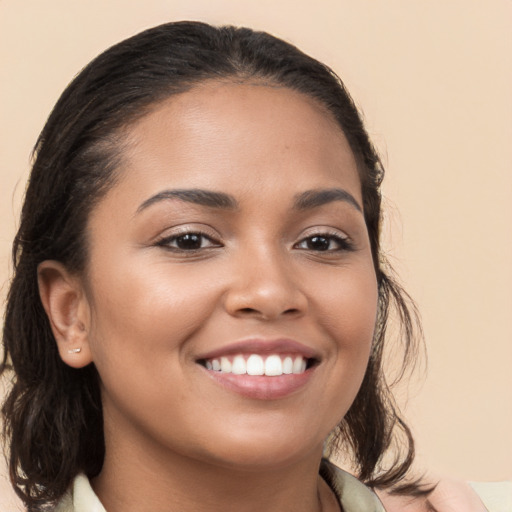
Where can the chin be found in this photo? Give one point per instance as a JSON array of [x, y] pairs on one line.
[[266, 450]]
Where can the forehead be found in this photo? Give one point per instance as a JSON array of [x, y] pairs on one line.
[[220, 134]]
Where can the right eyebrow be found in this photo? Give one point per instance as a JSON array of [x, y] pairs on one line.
[[193, 195]]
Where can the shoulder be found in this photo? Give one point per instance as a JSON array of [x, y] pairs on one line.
[[497, 496], [451, 495]]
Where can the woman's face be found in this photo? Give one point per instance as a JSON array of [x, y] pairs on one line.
[[234, 238]]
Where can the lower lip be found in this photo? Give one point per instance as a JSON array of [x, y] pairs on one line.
[[261, 387]]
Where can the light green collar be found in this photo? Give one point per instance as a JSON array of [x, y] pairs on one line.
[[351, 493]]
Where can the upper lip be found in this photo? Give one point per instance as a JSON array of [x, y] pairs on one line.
[[262, 346]]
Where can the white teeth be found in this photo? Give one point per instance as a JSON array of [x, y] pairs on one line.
[[288, 365], [297, 365], [225, 365], [255, 365], [271, 366], [239, 367]]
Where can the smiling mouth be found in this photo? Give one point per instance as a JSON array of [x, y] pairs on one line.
[[271, 365]]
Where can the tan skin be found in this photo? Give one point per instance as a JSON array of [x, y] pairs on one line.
[[170, 280]]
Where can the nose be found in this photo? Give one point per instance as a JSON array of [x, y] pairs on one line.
[[264, 286]]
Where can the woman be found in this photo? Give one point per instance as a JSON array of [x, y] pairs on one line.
[[199, 305]]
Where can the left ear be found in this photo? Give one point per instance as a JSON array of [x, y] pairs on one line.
[[66, 305]]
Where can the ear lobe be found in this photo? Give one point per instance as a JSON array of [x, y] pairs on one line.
[[67, 308]]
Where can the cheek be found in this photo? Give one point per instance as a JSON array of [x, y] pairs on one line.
[[142, 320], [349, 310], [141, 311]]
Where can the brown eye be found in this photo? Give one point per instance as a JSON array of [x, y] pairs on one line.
[[188, 242], [324, 243], [318, 243]]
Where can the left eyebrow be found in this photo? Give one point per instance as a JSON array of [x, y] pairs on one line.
[[314, 198]]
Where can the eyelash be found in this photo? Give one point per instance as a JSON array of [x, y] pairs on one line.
[[343, 243], [168, 240]]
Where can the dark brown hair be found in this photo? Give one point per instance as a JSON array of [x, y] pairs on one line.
[[53, 415]]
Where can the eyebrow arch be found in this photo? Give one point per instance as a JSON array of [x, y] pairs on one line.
[[314, 198], [195, 196]]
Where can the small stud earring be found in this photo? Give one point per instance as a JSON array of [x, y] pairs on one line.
[[74, 350]]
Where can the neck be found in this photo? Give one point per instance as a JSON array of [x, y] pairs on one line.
[[139, 477]]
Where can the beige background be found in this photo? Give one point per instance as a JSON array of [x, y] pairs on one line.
[[434, 79]]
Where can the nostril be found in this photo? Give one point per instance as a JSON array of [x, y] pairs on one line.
[[248, 310], [290, 312]]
